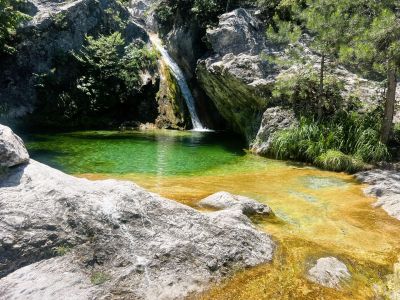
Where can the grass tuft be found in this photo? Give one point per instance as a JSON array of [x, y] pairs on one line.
[[98, 278], [61, 250], [345, 143], [335, 160]]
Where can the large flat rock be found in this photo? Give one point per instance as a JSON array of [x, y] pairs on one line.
[[143, 246]]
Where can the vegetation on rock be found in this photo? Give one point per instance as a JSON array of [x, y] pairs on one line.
[[10, 18], [106, 86], [364, 34], [98, 278], [204, 12]]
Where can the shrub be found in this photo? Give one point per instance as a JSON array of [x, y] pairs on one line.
[[10, 18], [62, 250], [164, 14]]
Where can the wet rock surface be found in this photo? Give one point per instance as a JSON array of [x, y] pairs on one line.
[[225, 200], [329, 272], [385, 185], [12, 148]]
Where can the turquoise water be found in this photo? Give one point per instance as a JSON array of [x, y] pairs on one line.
[[158, 152]]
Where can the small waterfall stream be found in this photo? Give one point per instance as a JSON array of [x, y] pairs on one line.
[[180, 78]]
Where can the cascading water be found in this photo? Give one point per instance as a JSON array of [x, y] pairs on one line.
[[180, 78]]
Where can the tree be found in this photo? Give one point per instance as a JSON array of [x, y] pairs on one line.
[[112, 71], [10, 18], [376, 44], [322, 20]]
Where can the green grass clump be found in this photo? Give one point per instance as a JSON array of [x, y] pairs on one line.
[[62, 250], [347, 142], [98, 278], [335, 160]]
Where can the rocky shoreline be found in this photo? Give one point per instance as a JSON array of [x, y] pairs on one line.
[[384, 184], [70, 238], [67, 237]]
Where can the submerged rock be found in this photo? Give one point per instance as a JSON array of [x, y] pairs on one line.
[[274, 119], [12, 149], [385, 185], [225, 200], [329, 272], [118, 240]]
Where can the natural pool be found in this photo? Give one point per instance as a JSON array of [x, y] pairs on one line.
[[318, 213]]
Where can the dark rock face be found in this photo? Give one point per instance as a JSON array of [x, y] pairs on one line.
[[273, 120], [55, 29], [12, 149]]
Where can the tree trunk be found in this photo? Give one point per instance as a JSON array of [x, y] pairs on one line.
[[321, 88], [390, 101]]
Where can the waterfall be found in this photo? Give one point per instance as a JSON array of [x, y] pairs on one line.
[[180, 78]]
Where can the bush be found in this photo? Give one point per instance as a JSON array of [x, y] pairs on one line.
[[62, 250], [98, 278], [204, 12], [164, 14]]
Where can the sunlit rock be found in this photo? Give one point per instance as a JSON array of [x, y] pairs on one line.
[[12, 149], [329, 272], [273, 120], [385, 185], [225, 200], [117, 239]]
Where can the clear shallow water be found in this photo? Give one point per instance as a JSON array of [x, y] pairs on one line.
[[318, 213]]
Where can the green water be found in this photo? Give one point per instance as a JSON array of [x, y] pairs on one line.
[[158, 152]]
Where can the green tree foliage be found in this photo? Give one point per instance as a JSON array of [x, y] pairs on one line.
[[107, 83], [10, 18], [111, 70], [375, 44], [300, 90], [361, 33], [323, 21]]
